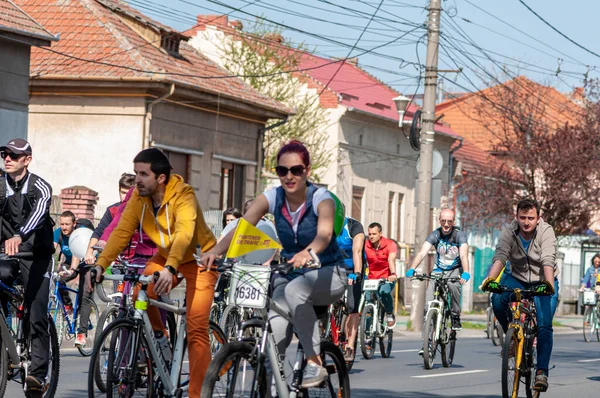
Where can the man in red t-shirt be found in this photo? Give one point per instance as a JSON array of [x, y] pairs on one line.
[[381, 257]]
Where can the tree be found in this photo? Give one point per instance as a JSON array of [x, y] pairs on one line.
[[544, 149], [269, 63]]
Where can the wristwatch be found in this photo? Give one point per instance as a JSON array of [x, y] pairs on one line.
[[171, 269]]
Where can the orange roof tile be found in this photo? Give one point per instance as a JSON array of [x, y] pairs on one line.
[[475, 117], [96, 42], [14, 20]]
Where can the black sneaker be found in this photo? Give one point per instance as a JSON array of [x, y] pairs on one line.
[[456, 325], [35, 388]]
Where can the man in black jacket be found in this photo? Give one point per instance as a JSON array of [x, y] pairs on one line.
[[27, 227]]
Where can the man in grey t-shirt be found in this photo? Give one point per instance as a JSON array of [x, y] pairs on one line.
[[451, 258]]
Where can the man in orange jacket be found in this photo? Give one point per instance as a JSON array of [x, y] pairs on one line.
[[167, 210]]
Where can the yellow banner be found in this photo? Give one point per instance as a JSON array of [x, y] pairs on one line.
[[247, 238]]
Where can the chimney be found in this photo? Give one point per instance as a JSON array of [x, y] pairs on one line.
[[275, 37], [237, 25]]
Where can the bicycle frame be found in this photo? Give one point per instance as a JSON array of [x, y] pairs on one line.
[[169, 380], [8, 336], [517, 324]]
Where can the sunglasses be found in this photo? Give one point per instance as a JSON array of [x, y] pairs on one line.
[[13, 156], [297, 170]]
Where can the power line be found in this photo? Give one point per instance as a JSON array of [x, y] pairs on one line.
[[525, 33], [558, 31], [350, 52]]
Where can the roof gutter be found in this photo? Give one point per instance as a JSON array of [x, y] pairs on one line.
[[389, 119], [147, 139]]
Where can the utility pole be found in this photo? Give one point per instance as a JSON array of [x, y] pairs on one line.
[[426, 151]]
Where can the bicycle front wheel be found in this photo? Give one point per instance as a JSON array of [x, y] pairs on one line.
[[368, 334], [216, 338], [449, 342], [235, 372], [510, 367], [489, 330], [230, 322], [430, 348], [53, 363], [92, 327], [589, 323], [129, 369]]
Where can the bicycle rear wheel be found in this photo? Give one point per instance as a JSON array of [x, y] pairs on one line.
[[92, 327], [430, 348], [510, 370], [497, 334], [129, 370], [232, 373], [489, 330], [337, 384], [590, 322], [367, 331]]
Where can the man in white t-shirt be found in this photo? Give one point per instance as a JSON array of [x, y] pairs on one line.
[[258, 256]]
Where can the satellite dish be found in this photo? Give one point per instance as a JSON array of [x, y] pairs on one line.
[[438, 163]]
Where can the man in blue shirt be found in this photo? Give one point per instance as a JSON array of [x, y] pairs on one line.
[[351, 242], [65, 258]]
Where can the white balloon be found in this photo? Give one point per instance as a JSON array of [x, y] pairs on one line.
[[79, 241]]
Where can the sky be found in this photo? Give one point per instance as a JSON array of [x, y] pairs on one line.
[[490, 40]]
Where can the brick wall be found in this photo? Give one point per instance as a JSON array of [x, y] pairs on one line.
[[80, 200]]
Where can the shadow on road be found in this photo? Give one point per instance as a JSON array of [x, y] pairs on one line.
[[357, 392]]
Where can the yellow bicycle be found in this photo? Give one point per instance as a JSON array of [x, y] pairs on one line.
[[519, 358]]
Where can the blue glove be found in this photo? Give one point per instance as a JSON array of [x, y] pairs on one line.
[[466, 276], [410, 273], [352, 276]]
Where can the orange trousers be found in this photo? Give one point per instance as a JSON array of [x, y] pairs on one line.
[[199, 293]]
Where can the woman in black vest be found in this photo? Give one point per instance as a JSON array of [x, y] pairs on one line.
[[304, 218]]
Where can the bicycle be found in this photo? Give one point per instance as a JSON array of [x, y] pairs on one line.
[[15, 347], [493, 329], [438, 321], [373, 324], [120, 306], [239, 368], [67, 324], [519, 359], [333, 329], [591, 315]]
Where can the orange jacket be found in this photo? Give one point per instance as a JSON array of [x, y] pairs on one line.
[[176, 229]]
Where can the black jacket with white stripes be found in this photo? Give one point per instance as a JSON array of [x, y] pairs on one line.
[[26, 208]]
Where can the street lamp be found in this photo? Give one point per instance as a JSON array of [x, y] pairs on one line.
[[401, 105]]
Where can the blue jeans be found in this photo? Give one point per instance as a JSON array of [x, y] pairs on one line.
[[545, 308], [385, 294]]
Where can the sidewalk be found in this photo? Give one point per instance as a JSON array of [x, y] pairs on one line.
[[569, 324]]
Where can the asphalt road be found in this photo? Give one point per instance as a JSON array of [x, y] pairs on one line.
[[474, 374]]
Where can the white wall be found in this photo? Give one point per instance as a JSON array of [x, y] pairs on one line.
[[86, 141]]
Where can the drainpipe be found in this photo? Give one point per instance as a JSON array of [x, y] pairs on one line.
[[451, 176], [147, 136], [259, 152]]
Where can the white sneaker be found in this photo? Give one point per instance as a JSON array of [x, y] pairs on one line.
[[313, 376]]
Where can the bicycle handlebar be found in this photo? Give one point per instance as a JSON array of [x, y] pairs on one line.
[[531, 292], [434, 277], [20, 255]]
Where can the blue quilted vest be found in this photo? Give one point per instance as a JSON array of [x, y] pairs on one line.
[[307, 230]]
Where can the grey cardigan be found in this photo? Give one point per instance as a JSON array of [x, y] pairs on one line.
[[527, 266]]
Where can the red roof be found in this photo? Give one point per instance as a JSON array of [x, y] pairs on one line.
[[358, 89], [97, 43], [15, 20], [473, 158]]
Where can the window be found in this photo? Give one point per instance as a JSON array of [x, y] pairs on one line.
[[360, 140], [233, 181], [357, 199], [180, 162], [170, 43], [399, 217]]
